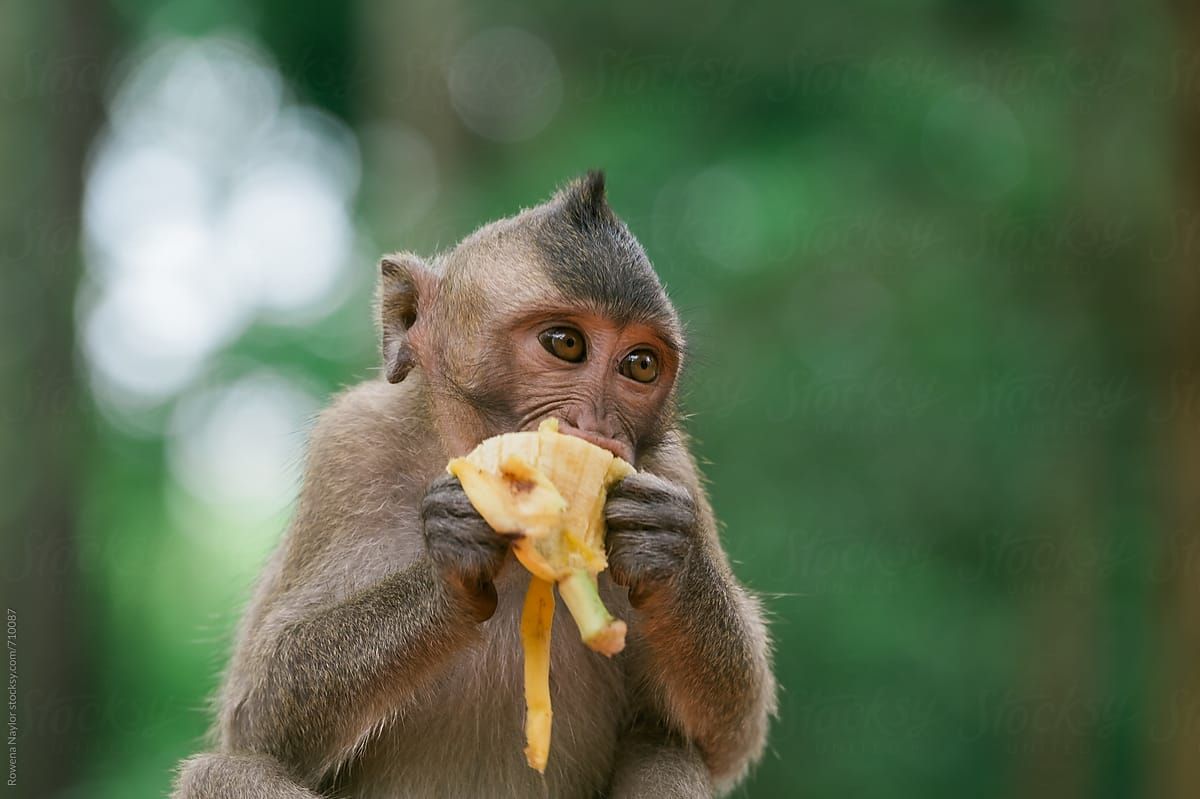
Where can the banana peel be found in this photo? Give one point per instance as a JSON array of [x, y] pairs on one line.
[[548, 490], [537, 618]]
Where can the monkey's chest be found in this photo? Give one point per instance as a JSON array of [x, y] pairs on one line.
[[466, 737]]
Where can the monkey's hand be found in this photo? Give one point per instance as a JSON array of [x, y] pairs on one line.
[[696, 625], [464, 549], [652, 530]]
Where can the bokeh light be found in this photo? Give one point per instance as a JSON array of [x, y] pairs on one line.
[[212, 201], [923, 253], [505, 84], [238, 448]]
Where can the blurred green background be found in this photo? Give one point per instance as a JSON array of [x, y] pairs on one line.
[[938, 260]]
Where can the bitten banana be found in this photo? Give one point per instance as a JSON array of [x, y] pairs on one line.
[[549, 489]]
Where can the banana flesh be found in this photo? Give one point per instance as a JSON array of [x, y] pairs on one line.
[[549, 489]]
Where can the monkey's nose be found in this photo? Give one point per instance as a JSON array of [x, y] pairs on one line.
[[618, 448]]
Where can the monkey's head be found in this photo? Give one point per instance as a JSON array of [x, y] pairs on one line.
[[553, 312]]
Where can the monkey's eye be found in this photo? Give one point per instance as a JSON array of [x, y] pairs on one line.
[[640, 365], [564, 342]]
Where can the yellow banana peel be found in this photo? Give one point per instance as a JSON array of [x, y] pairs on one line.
[[549, 489]]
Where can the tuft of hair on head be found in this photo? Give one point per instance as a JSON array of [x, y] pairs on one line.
[[585, 202], [590, 256]]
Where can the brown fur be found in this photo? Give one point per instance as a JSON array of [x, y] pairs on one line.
[[362, 668]]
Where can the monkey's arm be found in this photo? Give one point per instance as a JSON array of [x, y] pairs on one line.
[[326, 678], [700, 652], [379, 584]]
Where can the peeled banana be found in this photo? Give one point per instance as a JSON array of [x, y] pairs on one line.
[[549, 489]]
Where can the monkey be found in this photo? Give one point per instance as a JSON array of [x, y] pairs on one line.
[[380, 653]]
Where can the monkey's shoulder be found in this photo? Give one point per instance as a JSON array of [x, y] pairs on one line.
[[376, 420], [370, 454]]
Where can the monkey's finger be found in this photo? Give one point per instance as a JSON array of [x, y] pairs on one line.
[[511, 536], [457, 509], [629, 513], [447, 530], [447, 489], [645, 556], [445, 486], [453, 510], [443, 481], [648, 487], [448, 501]]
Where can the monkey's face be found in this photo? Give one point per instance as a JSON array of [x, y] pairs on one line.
[[608, 383], [535, 353], [555, 312]]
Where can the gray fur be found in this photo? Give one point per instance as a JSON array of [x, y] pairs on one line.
[[590, 254], [380, 655]]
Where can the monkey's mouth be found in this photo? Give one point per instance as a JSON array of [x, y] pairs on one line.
[[618, 448]]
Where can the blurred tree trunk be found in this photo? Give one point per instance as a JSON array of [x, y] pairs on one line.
[[1058, 759], [1064, 681], [53, 61], [1176, 725]]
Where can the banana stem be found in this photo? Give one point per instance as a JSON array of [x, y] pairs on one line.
[[537, 618], [597, 627]]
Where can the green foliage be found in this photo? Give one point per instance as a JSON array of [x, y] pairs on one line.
[[915, 373]]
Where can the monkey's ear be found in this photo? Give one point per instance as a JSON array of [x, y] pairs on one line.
[[406, 288]]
